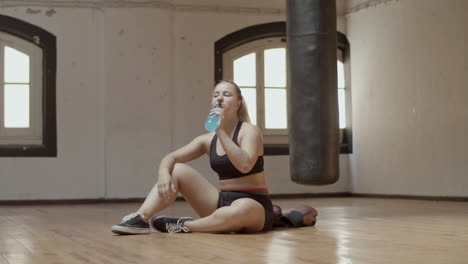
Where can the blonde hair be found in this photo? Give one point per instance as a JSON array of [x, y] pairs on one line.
[[242, 112]]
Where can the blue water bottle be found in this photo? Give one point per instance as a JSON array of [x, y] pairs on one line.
[[212, 122]]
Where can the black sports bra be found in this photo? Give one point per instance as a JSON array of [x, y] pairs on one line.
[[223, 166]]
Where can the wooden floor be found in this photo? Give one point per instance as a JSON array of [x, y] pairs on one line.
[[349, 230]]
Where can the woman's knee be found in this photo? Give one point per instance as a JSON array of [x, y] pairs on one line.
[[247, 207], [230, 217], [185, 177], [244, 213], [181, 170]]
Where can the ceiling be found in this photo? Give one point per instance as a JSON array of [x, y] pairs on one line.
[[342, 6]]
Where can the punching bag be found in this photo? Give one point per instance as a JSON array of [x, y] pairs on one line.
[[312, 94]]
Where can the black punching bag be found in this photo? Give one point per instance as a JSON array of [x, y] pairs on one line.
[[313, 104]]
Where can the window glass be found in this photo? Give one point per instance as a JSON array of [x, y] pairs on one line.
[[340, 74], [275, 67], [16, 66], [16, 112], [244, 70], [275, 108], [341, 107], [250, 99], [341, 93]]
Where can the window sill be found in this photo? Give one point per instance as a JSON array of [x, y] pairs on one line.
[[283, 149], [27, 151]]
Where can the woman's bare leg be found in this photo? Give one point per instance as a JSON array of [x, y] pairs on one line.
[[243, 215], [197, 191]]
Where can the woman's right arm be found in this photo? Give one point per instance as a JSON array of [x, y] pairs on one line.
[[196, 148]]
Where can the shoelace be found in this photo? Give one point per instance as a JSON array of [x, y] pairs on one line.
[[176, 227]]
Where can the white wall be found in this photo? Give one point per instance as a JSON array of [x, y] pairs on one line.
[[137, 98], [409, 64], [133, 83], [78, 170]]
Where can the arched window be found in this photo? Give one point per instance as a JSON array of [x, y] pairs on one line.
[[259, 68], [27, 90], [255, 58]]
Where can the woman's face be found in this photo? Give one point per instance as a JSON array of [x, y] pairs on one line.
[[225, 94]]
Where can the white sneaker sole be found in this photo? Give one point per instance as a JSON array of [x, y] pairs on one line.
[[122, 230]]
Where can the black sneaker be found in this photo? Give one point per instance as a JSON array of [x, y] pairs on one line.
[[133, 223], [170, 224]]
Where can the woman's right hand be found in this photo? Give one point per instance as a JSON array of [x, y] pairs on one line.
[[166, 187], [219, 111]]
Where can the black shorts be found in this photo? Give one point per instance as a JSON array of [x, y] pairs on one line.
[[226, 198]]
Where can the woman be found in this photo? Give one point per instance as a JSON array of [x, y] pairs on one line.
[[236, 154]]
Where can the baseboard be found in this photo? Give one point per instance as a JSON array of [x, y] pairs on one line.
[[309, 195], [273, 196], [140, 200], [70, 201], [412, 197]]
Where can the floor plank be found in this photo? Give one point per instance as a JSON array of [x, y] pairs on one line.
[[349, 230]]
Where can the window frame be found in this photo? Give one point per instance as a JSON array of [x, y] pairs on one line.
[[278, 29], [258, 47], [47, 43], [33, 133]]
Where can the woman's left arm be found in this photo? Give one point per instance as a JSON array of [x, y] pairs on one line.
[[243, 157]]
